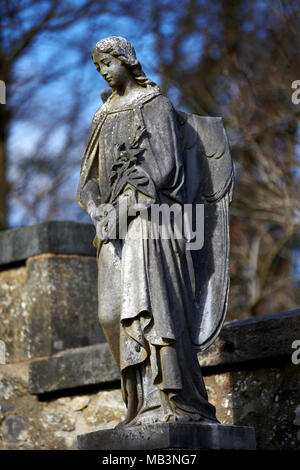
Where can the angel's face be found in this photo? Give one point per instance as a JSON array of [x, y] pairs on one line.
[[112, 69]]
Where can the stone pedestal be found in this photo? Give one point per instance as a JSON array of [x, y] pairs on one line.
[[170, 436]]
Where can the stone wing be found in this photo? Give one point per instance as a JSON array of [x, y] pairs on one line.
[[208, 180]]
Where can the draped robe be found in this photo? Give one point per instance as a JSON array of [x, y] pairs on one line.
[[146, 303]]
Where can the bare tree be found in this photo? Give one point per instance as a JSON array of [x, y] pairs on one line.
[[238, 60], [45, 62]]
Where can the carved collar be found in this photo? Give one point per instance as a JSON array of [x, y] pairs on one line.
[[137, 102]]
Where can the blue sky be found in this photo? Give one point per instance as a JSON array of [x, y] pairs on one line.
[[46, 105], [47, 102]]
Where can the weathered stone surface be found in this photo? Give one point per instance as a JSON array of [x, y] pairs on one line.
[[74, 368], [239, 342], [170, 436], [51, 424], [45, 306], [61, 237], [266, 398], [263, 396], [62, 301], [14, 315], [106, 411], [15, 429], [255, 338], [48, 305]]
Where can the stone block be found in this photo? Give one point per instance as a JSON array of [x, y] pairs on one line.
[[62, 301], [74, 368], [263, 394], [170, 436], [26, 422], [265, 397], [254, 339], [14, 315], [60, 237], [248, 337], [48, 305], [48, 289]]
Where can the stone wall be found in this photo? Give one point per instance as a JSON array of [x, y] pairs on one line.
[[60, 380], [48, 289], [252, 380]]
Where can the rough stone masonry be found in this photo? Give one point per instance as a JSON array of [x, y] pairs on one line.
[[48, 395]]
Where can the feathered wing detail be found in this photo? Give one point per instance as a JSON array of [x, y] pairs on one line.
[[209, 180]]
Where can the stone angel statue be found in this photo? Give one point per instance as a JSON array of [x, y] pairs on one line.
[[157, 309]]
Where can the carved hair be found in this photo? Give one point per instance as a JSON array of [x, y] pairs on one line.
[[120, 48]]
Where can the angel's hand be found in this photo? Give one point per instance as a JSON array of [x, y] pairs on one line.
[[106, 220], [91, 209], [111, 219]]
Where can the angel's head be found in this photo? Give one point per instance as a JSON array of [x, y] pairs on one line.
[[115, 58]]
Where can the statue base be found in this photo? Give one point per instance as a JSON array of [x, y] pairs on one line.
[[170, 436]]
